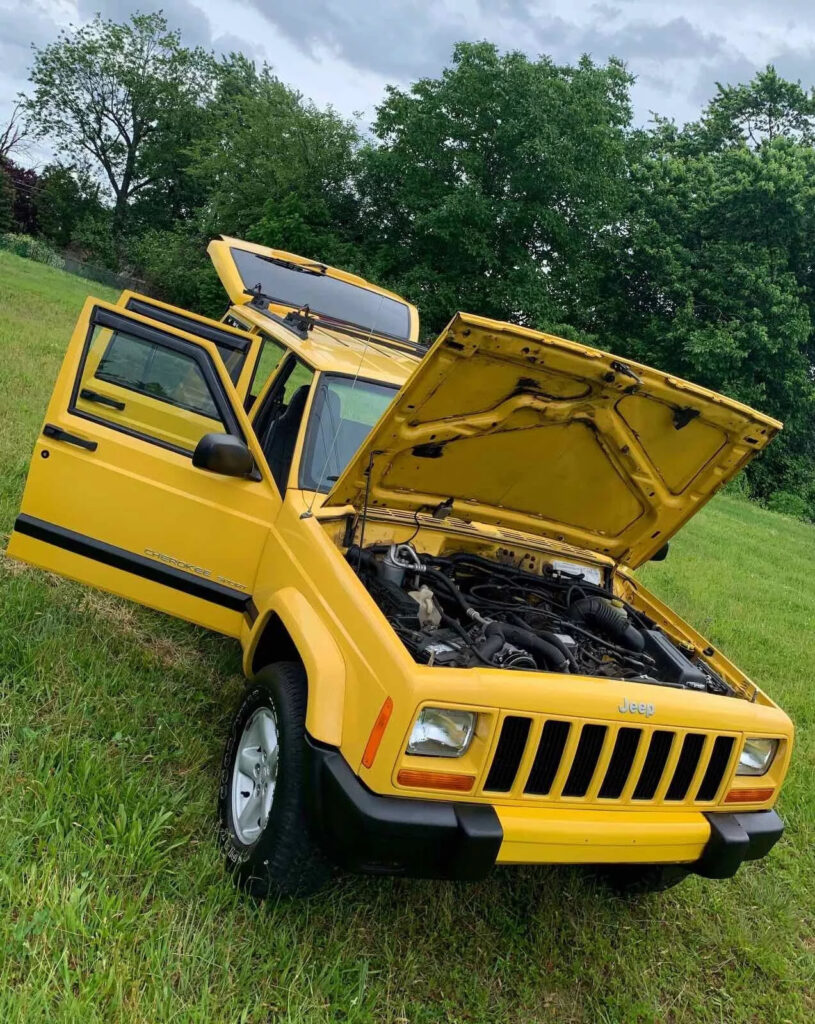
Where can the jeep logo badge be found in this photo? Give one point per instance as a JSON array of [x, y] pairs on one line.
[[636, 709]]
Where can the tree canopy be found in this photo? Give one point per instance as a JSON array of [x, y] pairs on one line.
[[119, 96]]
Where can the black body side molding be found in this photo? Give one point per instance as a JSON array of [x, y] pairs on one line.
[[119, 558]]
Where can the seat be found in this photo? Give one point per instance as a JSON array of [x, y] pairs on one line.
[[279, 447]]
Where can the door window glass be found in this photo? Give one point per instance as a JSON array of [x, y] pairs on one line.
[[232, 348], [271, 353], [152, 370], [156, 386]]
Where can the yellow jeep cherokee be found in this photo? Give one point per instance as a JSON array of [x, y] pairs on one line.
[[426, 555]]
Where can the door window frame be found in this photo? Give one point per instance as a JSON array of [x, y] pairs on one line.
[[221, 337], [105, 318]]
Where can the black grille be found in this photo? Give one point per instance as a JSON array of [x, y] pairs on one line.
[[619, 766], [685, 766], [585, 760], [548, 757], [716, 767], [508, 753], [654, 765]]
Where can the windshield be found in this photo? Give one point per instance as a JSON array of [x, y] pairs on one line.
[[325, 295], [342, 415]]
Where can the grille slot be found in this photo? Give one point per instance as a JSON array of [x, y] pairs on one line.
[[619, 767], [508, 753], [686, 766], [585, 760], [654, 765], [716, 767], [547, 757], [637, 760]]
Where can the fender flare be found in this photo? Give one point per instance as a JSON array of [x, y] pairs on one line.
[[321, 657]]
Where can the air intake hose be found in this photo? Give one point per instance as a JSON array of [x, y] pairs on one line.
[[546, 655], [613, 621]]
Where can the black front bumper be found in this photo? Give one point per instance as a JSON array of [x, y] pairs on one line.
[[363, 831], [735, 838], [395, 835]]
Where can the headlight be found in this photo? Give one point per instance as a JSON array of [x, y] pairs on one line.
[[757, 756], [442, 732]]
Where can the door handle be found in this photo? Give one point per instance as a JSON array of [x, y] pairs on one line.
[[94, 396], [58, 434]]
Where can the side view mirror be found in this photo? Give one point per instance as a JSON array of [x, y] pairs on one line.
[[660, 555], [223, 453]]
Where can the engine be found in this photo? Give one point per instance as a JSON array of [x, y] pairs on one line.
[[466, 610]]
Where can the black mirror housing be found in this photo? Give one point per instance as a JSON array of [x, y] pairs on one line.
[[225, 454], [661, 555]]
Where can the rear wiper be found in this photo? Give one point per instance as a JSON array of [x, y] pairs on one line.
[[318, 269]]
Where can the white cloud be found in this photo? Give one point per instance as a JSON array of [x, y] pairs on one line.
[[343, 52]]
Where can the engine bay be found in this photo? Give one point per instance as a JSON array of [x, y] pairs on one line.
[[464, 610]]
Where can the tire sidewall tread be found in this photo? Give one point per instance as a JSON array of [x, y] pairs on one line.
[[285, 859]]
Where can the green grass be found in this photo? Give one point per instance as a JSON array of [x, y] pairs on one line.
[[113, 903]]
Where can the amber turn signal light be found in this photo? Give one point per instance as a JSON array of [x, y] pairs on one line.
[[435, 780], [749, 796], [377, 732]]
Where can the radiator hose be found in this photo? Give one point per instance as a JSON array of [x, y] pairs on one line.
[[609, 619]]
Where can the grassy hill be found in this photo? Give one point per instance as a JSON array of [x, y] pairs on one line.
[[113, 903]]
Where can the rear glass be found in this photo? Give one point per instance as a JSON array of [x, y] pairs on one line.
[[323, 294]]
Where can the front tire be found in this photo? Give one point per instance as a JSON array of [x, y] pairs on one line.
[[265, 833]]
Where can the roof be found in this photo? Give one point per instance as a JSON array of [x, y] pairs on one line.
[[335, 352]]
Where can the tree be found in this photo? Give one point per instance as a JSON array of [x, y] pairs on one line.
[[24, 184], [6, 202], [497, 186], [119, 96], [263, 165], [714, 283], [65, 196], [263, 143], [759, 111], [14, 134]]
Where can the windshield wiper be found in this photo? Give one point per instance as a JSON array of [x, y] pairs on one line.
[[339, 320], [295, 324], [318, 269], [358, 331]]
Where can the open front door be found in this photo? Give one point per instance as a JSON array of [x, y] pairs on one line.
[[239, 350], [112, 497]]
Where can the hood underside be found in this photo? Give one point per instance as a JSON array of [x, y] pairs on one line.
[[551, 437]]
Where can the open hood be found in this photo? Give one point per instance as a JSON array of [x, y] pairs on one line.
[[529, 431]]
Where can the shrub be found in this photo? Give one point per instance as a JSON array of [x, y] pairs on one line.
[[738, 486], [789, 504], [31, 249]]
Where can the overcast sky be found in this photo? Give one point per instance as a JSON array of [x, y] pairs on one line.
[[343, 52]]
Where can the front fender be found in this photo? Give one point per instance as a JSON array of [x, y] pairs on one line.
[[323, 662]]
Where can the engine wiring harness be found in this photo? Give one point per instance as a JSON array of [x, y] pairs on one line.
[[465, 610]]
